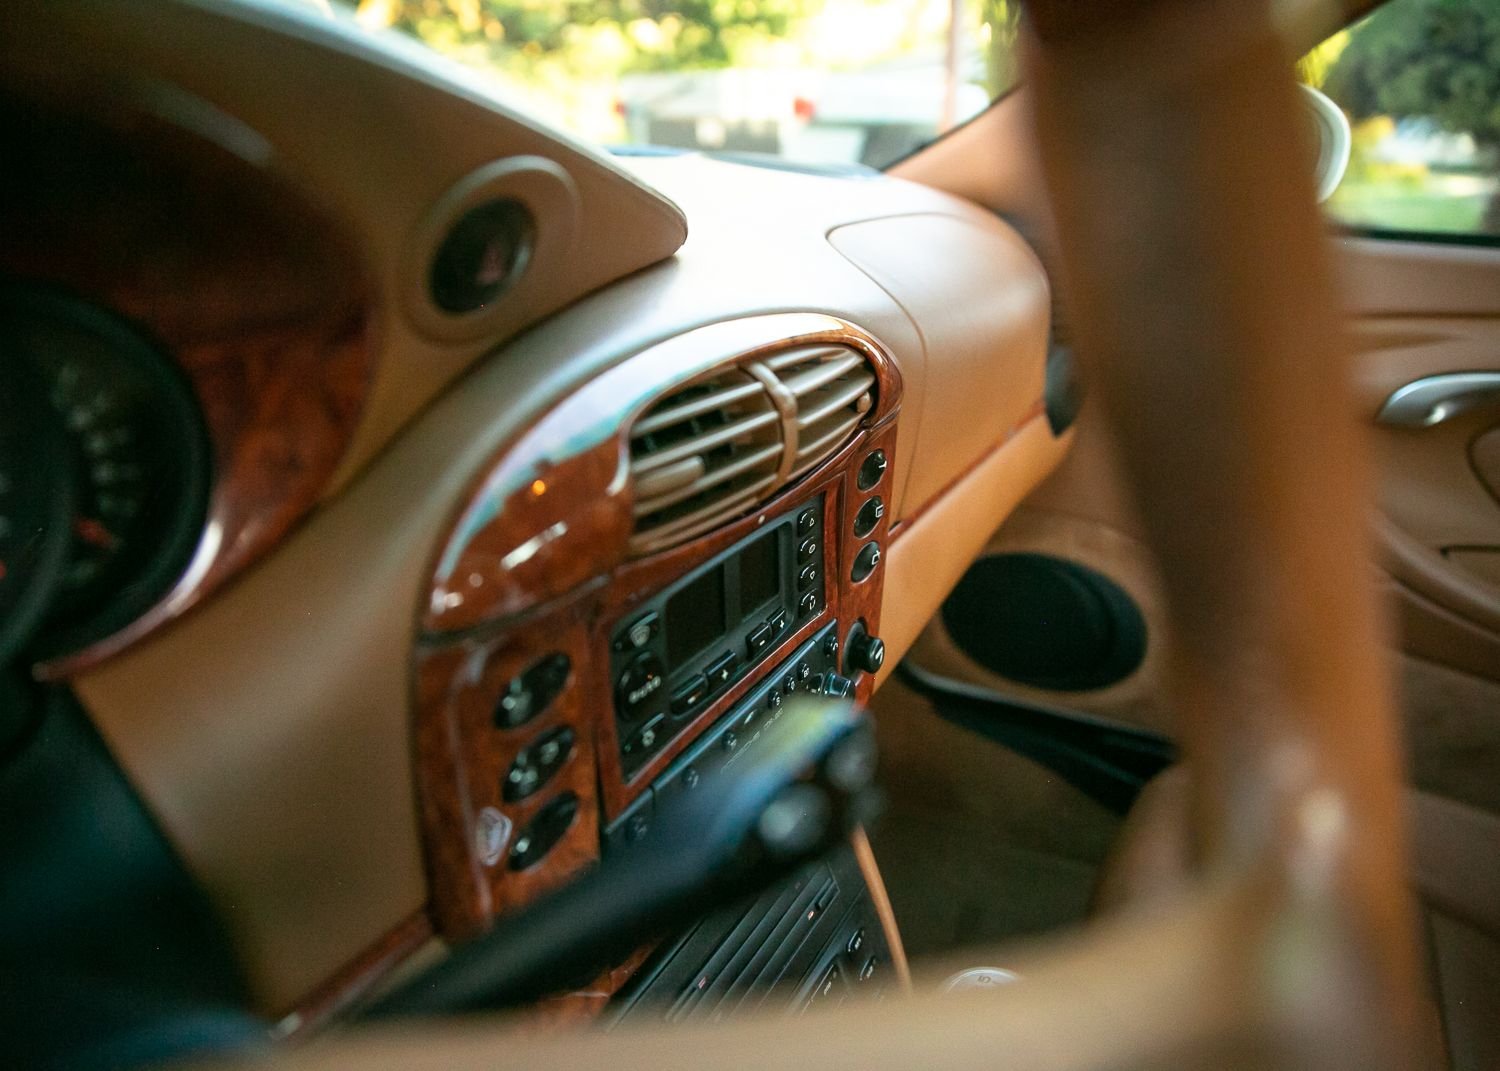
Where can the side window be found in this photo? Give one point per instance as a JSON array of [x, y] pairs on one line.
[[1420, 82]]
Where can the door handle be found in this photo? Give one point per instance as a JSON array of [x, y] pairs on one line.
[[1431, 400]]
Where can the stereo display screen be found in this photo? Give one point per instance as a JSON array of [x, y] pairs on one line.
[[695, 617], [760, 572]]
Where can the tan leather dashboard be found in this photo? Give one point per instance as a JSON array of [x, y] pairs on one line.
[[271, 728]]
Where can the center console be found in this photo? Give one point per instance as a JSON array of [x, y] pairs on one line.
[[607, 628], [696, 638]]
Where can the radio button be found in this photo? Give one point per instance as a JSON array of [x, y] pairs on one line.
[[722, 670], [808, 604], [807, 521], [869, 516], [808, 576], [638, 633], [645, 740], [778, 621], [807, 550], [759, 639], [638, 685], [690, 695], [865, 561]]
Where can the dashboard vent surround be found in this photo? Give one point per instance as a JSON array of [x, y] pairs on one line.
[[719, 445]]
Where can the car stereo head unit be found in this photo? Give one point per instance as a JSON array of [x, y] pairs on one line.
[[694, 639]]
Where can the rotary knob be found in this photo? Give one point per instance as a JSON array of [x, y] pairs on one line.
[[864, 653]]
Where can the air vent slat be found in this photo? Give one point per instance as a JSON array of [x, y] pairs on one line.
[[690, 524], [833, 399], [804, 383], [660, 418], [780, 362], [700, 444], [648, 504], [717, 446], [822, 442], [669, 478]]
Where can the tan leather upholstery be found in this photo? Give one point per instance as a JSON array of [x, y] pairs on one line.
[[299, 672], [930, 552]]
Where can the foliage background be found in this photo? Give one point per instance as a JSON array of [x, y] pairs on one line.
[[1431, 60]]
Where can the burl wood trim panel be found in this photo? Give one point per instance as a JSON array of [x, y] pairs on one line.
[[227, 268], [538, 561], [463, 757], [554, 511]]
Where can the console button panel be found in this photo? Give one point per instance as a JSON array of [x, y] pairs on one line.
[[811, 669], [696, 639]]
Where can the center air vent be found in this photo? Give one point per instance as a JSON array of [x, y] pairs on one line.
[[718, 446]]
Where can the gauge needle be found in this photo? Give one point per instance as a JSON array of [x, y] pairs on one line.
[[94, 533]]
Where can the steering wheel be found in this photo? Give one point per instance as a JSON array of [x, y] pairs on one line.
[[1199, 284]]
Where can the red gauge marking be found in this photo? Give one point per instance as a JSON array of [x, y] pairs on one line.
[[94, 533]]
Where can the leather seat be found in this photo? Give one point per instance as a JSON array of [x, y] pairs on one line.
[[1455, 851]]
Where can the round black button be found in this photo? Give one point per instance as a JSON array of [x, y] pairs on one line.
[[868, 517], [871, 470], [865, 561], [636, 689], [483, 254], [865, 653]]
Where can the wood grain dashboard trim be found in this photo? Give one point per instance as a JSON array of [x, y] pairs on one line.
[[182, 226], [555, 509], [539, 558]]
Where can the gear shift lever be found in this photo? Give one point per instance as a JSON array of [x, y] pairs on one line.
[[802, 789]]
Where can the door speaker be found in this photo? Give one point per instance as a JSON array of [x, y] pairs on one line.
[[1046, 622]]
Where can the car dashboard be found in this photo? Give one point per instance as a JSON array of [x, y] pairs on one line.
[[472, 492]]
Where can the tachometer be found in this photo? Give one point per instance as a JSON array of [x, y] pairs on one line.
[[127, 466]]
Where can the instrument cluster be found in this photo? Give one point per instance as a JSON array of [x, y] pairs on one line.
[[104, 474]]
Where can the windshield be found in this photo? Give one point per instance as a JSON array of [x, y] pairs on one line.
[[828, 82]]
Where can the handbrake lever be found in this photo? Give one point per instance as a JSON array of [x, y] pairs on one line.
[[800, 790]]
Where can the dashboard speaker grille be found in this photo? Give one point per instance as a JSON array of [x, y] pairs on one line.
[[719, 445]]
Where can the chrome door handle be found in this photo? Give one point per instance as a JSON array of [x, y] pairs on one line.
[[1429, 401]]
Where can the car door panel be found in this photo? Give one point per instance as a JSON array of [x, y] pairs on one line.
[[1429, 309]]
